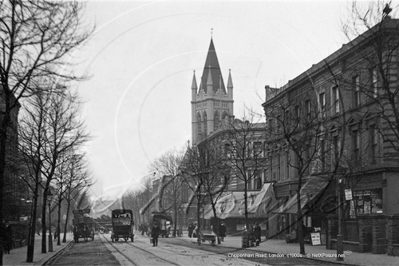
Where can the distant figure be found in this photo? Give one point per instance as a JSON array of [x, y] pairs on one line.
[[190, 230], [75, 234], [155, 234], [222, 231], [7, 238], [257, 233], [195, 231]]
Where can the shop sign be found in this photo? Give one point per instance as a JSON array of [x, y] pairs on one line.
[[315, 239], [348, 194]]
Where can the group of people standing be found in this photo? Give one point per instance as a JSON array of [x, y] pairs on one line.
[[255, 233], [193, 230]]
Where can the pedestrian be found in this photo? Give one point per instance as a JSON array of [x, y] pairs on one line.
[[195, 231], [257, 233], [75, 234], [222, 231], [190, 230], [155, 234], [8, 238]]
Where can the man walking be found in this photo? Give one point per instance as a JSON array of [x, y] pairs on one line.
[[257, 233], [155, 234], [222, 232]]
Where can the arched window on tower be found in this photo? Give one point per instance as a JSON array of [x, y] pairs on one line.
[[205, 121], [199, 125], [216, 121]]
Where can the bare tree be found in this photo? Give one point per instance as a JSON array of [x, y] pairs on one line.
[[372, 30], [300, 130], [71, 175], [170, 198], [37, 39], [216, 177], [51, 130], [194, 172], [244, 149]]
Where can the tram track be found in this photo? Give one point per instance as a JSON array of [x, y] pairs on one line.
[[115, 249], [161, 260]]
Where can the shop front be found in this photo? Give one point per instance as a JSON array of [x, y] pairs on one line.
[[312, 196]]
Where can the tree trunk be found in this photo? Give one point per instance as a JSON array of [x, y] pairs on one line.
[[300, 221], [59, 223], [246, 206], [217, 222], [44, 226], [3, 144], [198, 220], [32, 228], [66, 221]]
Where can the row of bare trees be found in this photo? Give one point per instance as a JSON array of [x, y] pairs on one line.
[[37, 42]]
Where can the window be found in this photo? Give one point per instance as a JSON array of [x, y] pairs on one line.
[[366, 202], [287, 161], [336, 147], [308, 108], [216, 121], [335, 99], [356, 144], [278, 122], [205, 133], [373, 141], [258, 180], [279, 167], [286, 117], [356, 95], [297, 112], [322, 102], [323, 154], [199, 123]]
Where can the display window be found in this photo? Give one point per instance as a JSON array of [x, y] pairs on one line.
[[366, 202]]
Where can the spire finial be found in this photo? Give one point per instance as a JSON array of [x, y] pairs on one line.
[[211, 33]]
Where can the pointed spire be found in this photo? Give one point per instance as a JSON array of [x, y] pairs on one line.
[[229, 82], [194, 84], [212, 66]]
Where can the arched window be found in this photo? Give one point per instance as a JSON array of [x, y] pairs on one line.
[[216, 120], [205, 121], [199, 124]]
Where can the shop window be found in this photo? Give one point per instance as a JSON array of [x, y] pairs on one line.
[[366, 202]]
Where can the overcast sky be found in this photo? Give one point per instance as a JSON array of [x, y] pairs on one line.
[[143, 54]]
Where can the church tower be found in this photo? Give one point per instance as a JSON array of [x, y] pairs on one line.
[[211, 103]]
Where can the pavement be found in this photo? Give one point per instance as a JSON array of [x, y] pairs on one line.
[[17, 256], [312, 252]]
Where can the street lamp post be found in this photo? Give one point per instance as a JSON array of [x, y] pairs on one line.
[[340, 248], [50, 237]]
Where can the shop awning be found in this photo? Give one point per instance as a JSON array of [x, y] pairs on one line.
[[264, 201], [309, 191], [232, 205]]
